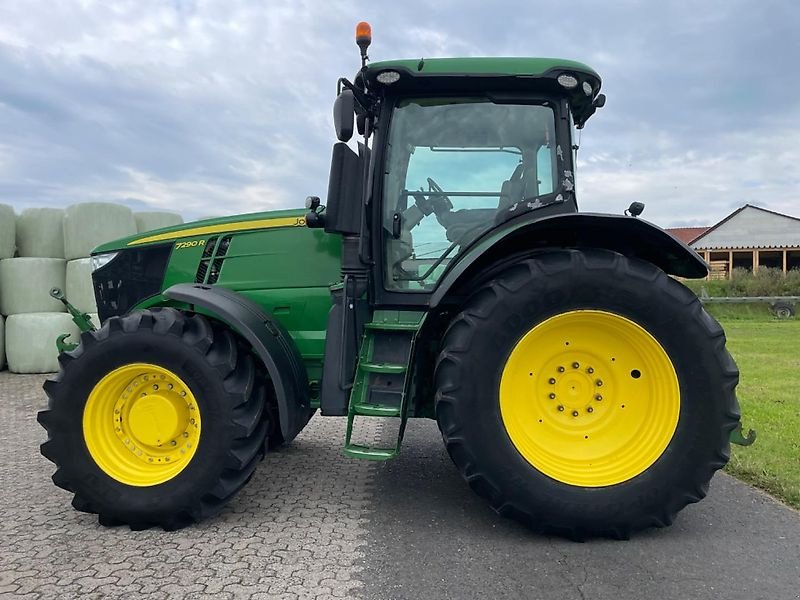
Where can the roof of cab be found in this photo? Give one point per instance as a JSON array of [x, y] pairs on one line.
[[483, 66]]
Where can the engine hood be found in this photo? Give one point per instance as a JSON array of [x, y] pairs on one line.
[[200, 229]]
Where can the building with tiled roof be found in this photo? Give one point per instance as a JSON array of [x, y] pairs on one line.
[[688, 234]]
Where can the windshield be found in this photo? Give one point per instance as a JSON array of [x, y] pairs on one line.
[[451, 166]]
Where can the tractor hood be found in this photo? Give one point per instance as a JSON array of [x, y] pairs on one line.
[[200, 229]]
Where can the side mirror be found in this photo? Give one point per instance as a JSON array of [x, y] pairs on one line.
[[343, 115], [600, 101]]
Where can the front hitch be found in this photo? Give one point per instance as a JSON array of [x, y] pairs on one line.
[[81, 319], [737, 437]]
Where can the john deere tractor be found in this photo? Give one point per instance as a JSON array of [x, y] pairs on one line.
[[578, 387]]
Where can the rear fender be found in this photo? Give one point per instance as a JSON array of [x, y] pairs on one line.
[[627, 235]]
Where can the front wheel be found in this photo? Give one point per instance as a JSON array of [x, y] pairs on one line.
[[586, 393], [157, 419]]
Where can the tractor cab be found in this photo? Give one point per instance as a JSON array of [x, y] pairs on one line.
[[452, 149]]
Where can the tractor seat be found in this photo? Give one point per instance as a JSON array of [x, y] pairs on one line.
[[512, 189]]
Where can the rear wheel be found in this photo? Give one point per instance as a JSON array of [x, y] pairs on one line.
[[157, 419], [585, 393]]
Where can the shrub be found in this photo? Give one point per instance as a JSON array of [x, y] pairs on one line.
[[764, 282]]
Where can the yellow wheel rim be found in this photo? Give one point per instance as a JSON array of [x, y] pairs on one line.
[[141, 424], [589, 398]]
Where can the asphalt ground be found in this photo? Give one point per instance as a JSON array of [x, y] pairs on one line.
[[313, 524]]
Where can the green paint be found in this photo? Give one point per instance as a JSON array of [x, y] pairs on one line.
[[286, 270], [511, 66]]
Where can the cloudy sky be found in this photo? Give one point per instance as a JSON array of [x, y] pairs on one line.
[[224, 107]]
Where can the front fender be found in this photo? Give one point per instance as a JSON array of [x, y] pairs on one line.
[[269, 339], [627, 235]]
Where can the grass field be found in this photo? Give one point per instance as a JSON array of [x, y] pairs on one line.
[[767, 351]]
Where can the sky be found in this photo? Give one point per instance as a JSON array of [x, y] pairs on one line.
[[224, 107]]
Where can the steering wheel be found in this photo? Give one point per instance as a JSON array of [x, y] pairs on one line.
[[441, 203]]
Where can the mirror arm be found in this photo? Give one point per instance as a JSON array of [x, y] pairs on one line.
[[365, 100]]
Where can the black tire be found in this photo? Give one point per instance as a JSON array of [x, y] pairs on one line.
[[480, 339], [274, 436], [783, 310], [222, 376]]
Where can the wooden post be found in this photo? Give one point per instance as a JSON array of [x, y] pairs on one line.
[[730, 264], [784, 261], [755, 260]]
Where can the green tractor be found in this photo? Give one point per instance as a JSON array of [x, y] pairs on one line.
[[578, 387]]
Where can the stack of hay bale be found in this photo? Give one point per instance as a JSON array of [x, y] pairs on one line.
[[7, 248], [52, 250], [33, 318]]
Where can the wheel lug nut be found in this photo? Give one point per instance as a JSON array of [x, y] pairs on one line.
[[599, 383], [576, 365], [155, 387], [574, 413], [590, 370], [598, 397], [560, 408], [552, 396], [551, 381], [561, 369], [590, 409]]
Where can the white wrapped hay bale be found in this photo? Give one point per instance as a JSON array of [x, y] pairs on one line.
[[8, 227], [79, 290], [25, 284], [90, 224], [31, 341], [2, 343], [40, 232], [147, 221]]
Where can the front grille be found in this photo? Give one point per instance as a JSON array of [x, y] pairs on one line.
[[132, 276]]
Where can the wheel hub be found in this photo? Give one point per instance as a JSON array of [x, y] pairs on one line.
[[574, 388], [153, 419]]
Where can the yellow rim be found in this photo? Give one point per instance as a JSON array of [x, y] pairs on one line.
[[141, 424], [589, 398]]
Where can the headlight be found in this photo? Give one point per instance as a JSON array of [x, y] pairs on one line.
[[587, 88], [388, 77], [101, 260], [568, 81]]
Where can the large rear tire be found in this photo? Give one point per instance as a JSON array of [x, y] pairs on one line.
[[157, 419], [585, 393]]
